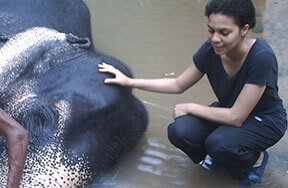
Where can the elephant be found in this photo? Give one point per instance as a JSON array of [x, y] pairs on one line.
[[79, 127]]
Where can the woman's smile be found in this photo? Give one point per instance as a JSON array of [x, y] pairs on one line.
[[218, 49]]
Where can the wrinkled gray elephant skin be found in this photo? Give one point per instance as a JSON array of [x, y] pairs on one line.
[[78, 126]]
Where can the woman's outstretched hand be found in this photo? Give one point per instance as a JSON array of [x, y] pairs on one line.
[[120, 78]]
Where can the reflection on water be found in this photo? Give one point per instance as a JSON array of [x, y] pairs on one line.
[[156, 38]]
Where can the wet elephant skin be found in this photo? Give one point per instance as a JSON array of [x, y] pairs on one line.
[[78, 127]]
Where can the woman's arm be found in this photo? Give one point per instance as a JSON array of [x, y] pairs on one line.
[[234, 116], [163, 85]]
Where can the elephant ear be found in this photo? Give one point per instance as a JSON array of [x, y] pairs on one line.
[[77, 41]]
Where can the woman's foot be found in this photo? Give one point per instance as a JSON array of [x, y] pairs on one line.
[[256, 172], [209, 164]]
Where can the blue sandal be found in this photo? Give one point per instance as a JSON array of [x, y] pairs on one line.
[[256, 173]]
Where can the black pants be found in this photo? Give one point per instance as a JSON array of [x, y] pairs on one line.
[[235, 148]]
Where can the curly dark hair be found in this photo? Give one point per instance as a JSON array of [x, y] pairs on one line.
[[243, 11]]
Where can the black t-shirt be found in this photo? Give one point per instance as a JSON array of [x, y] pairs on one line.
[[260, 68]]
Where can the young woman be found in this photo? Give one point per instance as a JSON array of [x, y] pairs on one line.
[[248, 117]]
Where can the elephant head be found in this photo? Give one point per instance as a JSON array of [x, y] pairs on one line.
[[78, 126]]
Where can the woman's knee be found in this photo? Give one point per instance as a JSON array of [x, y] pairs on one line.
[[177, 130], [188, 129], [175, 134], [188, 133]]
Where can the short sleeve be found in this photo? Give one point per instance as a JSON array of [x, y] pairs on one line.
[[200, 57], [262, 70]]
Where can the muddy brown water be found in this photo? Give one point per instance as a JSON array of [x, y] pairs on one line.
[[156, 38]]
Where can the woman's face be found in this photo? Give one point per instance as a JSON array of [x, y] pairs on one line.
[[224, 33]]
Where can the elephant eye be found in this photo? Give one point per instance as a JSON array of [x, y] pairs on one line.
[[40, 119], [43, 118]]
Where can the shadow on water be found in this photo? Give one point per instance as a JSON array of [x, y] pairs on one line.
[[157, 38]]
